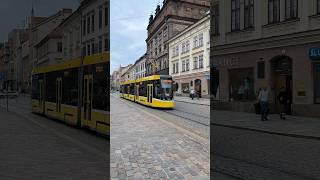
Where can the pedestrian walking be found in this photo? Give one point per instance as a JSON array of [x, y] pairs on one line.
[[283, 99], [264, 103], [192, 93]]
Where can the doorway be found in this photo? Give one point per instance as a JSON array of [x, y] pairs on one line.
[[282, 80], [197, 87]]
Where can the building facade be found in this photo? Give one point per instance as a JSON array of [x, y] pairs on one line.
[[1, 67], [273, 44], [140, 67], [169, 20], [95, 26], [189, 59]]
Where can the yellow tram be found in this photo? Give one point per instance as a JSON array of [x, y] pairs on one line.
[[75, 91], [154, 91]]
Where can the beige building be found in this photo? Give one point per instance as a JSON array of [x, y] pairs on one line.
[[260, 43], [45, 33], [189, 58], [169, 20], [95, 26]]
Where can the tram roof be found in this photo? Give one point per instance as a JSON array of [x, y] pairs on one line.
[[73, 63]]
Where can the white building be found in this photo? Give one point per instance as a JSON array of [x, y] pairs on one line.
[[140, 67], [189, 58]]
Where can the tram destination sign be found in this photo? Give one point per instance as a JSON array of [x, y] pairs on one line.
[[314, 53]]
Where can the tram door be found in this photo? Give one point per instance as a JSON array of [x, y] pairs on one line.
[[58, 94], [41, 96], [150, 93], [87, 99]]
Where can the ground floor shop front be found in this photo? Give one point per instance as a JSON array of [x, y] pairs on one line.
[[293, 69], [200, 82]]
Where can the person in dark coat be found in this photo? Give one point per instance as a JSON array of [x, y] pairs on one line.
[[283, 100]]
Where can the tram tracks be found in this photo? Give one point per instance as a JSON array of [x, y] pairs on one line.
[[189, 116]]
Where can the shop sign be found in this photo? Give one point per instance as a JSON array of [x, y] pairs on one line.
[[314, 53], [226, 62]]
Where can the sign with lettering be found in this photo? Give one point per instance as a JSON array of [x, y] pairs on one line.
[[314, 53]]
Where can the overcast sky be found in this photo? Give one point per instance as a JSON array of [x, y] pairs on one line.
[[13, 12], [129, 21]]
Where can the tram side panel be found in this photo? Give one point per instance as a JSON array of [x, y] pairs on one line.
[[95, 108], [37, 94]]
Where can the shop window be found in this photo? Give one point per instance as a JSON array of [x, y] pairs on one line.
[[261, 70], [70, 87], [185, 88], [317, 83], [241, 85]]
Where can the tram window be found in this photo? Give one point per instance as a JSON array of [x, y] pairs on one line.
[[70, 87], [132, 89], [100, 87], [35, 87], [143, 89], [157, 89], [51, 86]]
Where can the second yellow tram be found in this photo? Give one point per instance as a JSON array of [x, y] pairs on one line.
[[154, 91]]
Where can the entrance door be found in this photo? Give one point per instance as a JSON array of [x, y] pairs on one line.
[[58, 94], [150, 92], [41, 96], [87, 99], [197, 83], [282, 77]]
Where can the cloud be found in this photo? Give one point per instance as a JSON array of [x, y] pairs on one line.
[[129, 20]]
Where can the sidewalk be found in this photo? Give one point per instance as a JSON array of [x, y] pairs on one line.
[[200, 101], [303, 127]]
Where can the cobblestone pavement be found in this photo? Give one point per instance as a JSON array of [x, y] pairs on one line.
[[254, 155], [293, 125], [146, 146], [33, 147]]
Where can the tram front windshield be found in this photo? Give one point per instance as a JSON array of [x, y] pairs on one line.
[[166, 86]]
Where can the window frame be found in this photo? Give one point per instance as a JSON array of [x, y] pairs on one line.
[[235, 25], [291, 8], [275, 3], [247, 11]]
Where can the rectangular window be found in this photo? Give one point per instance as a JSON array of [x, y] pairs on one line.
[[195, 63], [235, 15], [92, 23], [318, 6], [92, 48], [215, 18], [201, 61], [187, 65], [84, 26], [248, 13], [317, 83], [201, 40], [106, 44], [177, 50], [273, 11], [59, 47], [177, 67], [88, 49], [173, 68], [291, 9], [100, 17], [183, 66], [183, 48], [195, 42], [88, 25], [106, 17], [261, 70], [188, 46]]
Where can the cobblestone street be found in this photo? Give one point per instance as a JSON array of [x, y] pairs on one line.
[[145, 145], [250, 149]]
